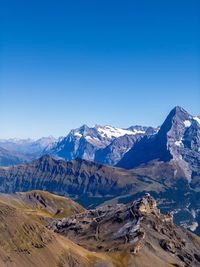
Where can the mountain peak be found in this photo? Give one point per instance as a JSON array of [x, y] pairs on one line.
[[178, 110], [177, 140], [177, 116]]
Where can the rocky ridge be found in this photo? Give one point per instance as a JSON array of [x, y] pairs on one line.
[[135, 227]]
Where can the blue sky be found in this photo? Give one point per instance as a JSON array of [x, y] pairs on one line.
[[68, 63]]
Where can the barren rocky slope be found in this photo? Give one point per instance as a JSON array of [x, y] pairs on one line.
[[136, 229], [110, 236]]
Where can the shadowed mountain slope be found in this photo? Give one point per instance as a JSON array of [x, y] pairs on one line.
[[92, 184], [78, 177]]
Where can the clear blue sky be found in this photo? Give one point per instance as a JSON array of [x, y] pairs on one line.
[[66, 63]]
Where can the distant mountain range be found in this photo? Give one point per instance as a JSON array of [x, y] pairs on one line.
[[9, 157], [104, 144], [29, 146], [15, 151]]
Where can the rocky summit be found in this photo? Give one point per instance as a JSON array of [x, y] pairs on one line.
[[138, 229]]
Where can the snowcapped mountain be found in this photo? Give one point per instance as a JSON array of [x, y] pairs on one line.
[[177, 140], [105, 144], [114, 152], [89, 143]]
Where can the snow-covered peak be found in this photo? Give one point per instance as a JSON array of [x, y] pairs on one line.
[[104, 132], [112, 132]]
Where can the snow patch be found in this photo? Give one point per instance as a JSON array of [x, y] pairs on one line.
[[187, 123], [78, 134], [91, 138]]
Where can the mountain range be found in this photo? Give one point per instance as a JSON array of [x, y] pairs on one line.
[[29, 145], [128, 188], [104, 144], [15, 151], [177, 139], [164, 161]]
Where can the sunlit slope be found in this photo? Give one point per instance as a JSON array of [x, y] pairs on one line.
[[42, 205]]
